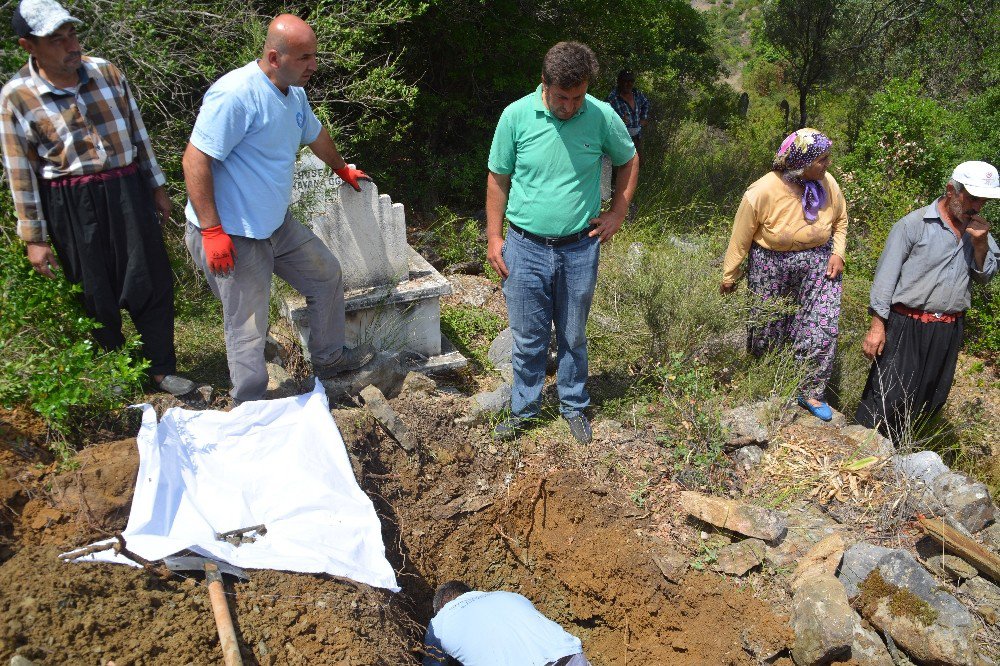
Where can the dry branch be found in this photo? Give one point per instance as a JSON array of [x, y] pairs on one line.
[[954, 541]]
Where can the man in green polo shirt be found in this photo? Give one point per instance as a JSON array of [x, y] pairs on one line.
[[544, 177]]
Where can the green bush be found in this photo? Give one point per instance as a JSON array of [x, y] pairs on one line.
[[472, 330], [48, 359]]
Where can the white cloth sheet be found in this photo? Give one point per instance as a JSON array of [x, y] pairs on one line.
[[280, 463]]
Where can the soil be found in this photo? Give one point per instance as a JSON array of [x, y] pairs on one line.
[[550, 520]]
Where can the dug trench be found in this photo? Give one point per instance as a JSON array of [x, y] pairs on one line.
[[530, 518]]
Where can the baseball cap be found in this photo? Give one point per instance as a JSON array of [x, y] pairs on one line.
[[980, 179], [40, 18]]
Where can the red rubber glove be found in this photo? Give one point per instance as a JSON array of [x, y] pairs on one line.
[[350, 176], [219, 251]]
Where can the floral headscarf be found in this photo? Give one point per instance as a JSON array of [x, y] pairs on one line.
[[798, 151]]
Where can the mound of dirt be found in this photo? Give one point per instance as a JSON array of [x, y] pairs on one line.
[[459, 508]]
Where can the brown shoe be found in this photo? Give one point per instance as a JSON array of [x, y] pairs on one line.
[[352, 358]]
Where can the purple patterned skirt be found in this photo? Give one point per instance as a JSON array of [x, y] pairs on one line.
[[812, 328]]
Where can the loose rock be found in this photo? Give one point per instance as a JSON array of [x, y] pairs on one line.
[[923, 466], [746, 424], [280, 384], [870, 442], [983, 592], [384, 371], [672, 564], [823, 621], [379, 407], [736, 559], [949, 566], [751, 521], [748, 457], [964, 499], [418, 382], [868, 648], [824, 558]]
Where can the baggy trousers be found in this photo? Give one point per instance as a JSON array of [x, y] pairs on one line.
[[297, 256], [913, 376], [813, 327], [546, 285], [108, 239]]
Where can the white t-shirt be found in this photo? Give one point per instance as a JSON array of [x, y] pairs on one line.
[[254, 132], [497, 629]]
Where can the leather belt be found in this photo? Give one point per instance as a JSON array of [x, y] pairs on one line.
[[927, 317], [550, 241]]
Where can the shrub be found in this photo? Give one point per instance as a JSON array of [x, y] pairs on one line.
[[47, 357]]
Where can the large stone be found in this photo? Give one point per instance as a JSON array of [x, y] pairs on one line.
[[746, 519], [991, 535], [822, 620], [822, 559], [738, 558], [867, 648], [964, 499], [951, 567], [859, 560], [385, 371], [904, 600], [379, 407], [922, 466]]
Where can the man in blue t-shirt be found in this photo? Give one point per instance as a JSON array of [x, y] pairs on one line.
[[545, 179], [495, 629], [238, 168]]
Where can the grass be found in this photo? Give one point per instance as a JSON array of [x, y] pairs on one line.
[[471, 330]]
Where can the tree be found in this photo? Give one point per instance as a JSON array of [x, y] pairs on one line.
[[801, 32]]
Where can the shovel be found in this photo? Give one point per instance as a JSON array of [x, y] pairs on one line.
[[217, 595]]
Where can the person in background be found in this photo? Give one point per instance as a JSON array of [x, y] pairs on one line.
[[919, 296], [545, 179], [632, 106], [793, 224], [473, 628], [238, 167], [86, 185]]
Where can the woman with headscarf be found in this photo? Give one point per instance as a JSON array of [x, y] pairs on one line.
[[793, 224]]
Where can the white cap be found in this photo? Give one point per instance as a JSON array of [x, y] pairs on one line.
[[40, 18], [979, 178]]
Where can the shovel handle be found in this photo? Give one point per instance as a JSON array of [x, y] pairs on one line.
[[223, 620]]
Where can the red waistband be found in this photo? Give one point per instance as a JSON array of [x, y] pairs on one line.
[[110, 174], [927, 317]]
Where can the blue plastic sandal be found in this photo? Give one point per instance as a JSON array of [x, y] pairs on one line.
[[823, 412]]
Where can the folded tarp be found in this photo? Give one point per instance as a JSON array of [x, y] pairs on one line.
[[280, 463]]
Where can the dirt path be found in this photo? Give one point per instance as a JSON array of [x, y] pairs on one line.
[[533, 522]]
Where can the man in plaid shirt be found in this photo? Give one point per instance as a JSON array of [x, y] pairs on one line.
[[87, 187]]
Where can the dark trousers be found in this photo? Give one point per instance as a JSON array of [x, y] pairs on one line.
[[913, 376], [108, 239]]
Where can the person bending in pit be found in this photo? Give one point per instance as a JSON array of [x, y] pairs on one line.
[[473, 628]]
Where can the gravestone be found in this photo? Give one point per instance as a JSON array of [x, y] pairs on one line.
[[391, 293]]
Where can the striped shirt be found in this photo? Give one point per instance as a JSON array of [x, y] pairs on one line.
[[48, 132]]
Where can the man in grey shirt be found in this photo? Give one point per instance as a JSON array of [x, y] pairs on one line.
[[921, 291]]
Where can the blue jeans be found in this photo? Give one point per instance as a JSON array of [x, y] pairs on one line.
[[547, 284]]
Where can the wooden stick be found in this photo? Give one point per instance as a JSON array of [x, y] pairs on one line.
[[89, 550], [158, 571], [223, 620], [954, 541]]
